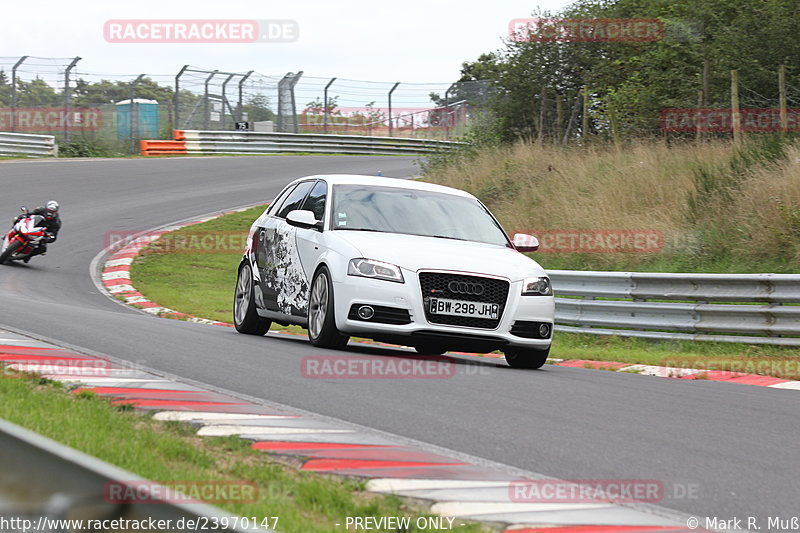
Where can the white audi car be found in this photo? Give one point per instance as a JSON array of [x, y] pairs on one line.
[[397, 261]]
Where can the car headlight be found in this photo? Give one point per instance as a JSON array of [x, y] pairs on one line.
[[537, 287], [369, 268]]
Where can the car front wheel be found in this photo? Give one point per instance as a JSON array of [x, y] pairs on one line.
[[322, 330], [526, 357], [245, 317]]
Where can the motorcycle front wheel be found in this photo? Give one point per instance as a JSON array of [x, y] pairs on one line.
[[9, 251]]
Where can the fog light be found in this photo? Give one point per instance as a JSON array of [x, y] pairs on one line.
[[365, 312], [544, 330]]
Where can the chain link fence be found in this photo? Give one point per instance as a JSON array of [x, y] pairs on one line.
[[110, 112]]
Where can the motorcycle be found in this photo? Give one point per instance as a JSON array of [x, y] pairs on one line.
[[24, 237]]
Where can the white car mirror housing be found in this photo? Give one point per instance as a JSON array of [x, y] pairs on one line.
[[525, 243], [303, 219]]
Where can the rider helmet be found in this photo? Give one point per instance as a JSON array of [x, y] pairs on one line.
[[52, 208]]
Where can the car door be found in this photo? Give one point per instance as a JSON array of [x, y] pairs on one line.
[[284, 286], [310, 240]]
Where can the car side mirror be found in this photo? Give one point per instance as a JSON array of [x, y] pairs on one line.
[[525, 243], [303, 219]]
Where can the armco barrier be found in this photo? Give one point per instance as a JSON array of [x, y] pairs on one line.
[[745, 308], [28, 145], [227, 142], [53, 482]]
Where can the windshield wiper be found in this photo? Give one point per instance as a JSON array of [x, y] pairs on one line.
[[448, 237], [360, 229]]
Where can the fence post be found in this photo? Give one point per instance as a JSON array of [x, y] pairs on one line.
[[240, 107], [585, 117], [176, 97], [225, 98], [782, 97], [698, 134], [612, 115], [542, 110], [286, 102], [67, 97], [325, 107], [559, 116], [736, 116], [390, 108], [205, 99], [131, 112], [447, 109], [14, 92]]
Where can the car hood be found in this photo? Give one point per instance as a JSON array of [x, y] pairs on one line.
[[412, 252]]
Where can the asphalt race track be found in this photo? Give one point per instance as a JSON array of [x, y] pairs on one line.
[[738, 446]]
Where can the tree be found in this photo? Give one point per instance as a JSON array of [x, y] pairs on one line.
[[5, 89], [640, 79], [316, 107], [257, 108], [36, 93]]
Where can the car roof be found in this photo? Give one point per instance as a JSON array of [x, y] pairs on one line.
[[381, 181]]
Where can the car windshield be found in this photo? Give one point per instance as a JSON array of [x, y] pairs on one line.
[[413, 212]]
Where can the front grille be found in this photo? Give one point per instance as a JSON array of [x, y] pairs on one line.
[[383, 314], [440, 285], [530, 330]]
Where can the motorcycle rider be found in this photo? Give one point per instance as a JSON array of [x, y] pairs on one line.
[[51, 223]]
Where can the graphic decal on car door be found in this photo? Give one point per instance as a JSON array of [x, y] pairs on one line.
[[285, 286]]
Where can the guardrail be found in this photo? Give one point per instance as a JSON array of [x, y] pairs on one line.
[[45, 480], [244, 142], [744, 308], [28, 145]]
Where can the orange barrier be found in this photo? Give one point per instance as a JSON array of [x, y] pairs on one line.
[[162, 147]]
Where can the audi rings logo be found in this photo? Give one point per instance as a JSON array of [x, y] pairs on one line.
[[465, 287]]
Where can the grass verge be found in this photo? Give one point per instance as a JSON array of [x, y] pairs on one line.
[[202, 284], [170, 451]]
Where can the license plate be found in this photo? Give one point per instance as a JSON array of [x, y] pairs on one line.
[[440, 306]]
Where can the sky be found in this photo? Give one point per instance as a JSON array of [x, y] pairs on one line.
[[412, 41]]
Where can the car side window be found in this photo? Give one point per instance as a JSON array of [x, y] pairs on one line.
[[273, 208], [315, 201], [295, 199]]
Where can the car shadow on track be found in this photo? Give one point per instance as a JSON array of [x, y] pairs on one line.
[[355, 349]]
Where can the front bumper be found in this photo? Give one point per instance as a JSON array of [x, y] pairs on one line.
[[518, 326]]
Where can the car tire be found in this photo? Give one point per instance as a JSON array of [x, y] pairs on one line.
[[245, 316], [526, 357], [322, 330], [9, 251], [429, 349]]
